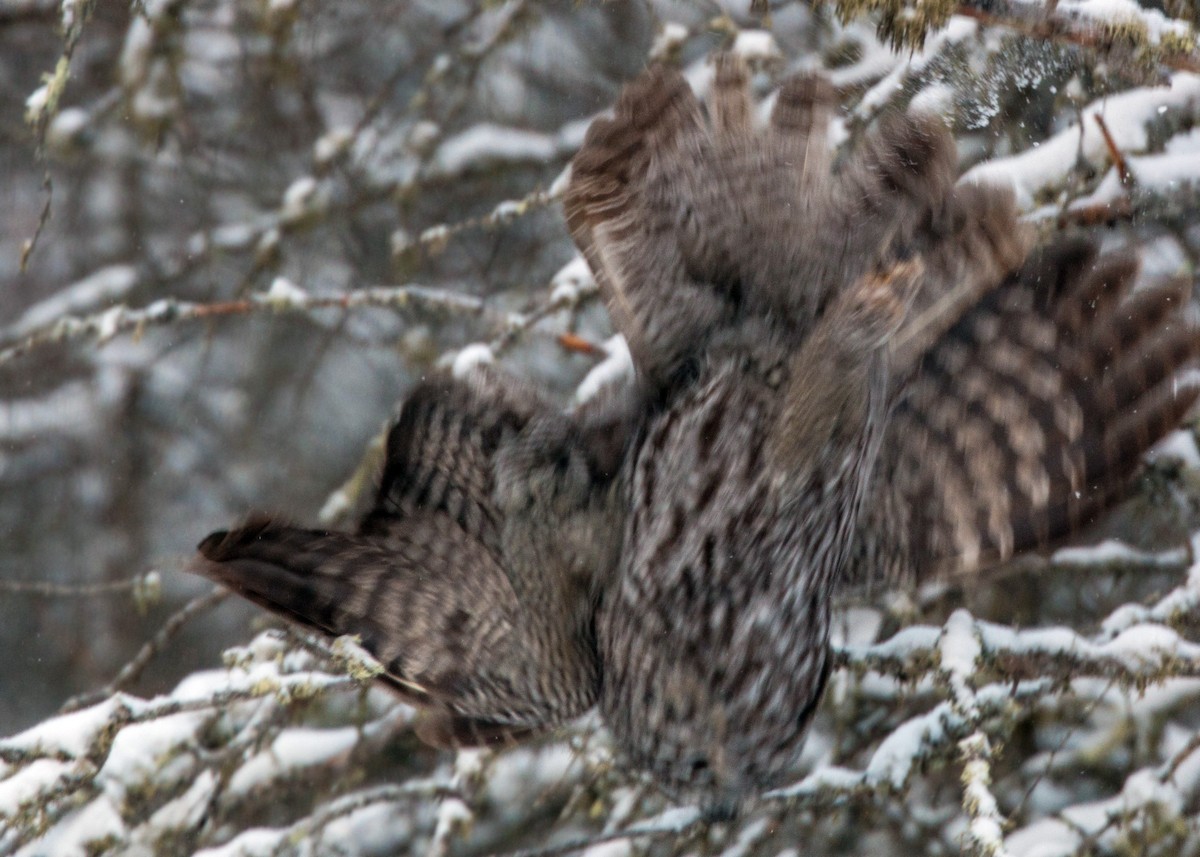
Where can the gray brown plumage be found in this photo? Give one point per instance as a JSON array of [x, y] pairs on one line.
[[849, 371], [1027, 417], [473, 579], [785, 458]]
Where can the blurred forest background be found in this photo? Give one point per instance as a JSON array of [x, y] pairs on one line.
[[232, 234]]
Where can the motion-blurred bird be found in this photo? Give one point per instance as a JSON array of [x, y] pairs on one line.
[[856, 372], [847, 373]]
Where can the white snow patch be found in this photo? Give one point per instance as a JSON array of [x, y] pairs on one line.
[[488, 144], [1048, 837], [68, 410], [568, 139], [529, 771], [79, 834], [956, 29], [936, 99], [1166, 172], [615, 848], [857, 626], [452, 814], [959, 647], [382, 828], [470, 358], [671, 36], [904, 643], [1183, 144], [256, 842], [1113, 551], [187, 810], [1116, 12], [102, 286], [331, 144], [831, 777], [756, 46], [615, 368], [71, 734], [139, 751], [677, 819], [28, 784], [571, 279], [558, 187], [1180, 444], [66, 127], [1144, 788], [303, 197], [1125, 115], [897, 754], [36, 103], [231, 236], [876, 60], [293, 749], [336, 505], [136, 52], [1146, 643], [286, 293]]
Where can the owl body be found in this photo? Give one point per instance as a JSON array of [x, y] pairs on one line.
[[712, 597], [745, 489], [865, 376]]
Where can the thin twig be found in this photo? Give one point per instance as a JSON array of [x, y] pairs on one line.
[[1118, 158], [74, 590], [104, 325], [155, 645]]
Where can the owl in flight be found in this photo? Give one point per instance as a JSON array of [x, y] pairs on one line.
[[848, 371]]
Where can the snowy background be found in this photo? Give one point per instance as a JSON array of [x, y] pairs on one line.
[[233, 233]]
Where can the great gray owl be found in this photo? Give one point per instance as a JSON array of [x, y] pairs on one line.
[[847, 372], [854, 372]]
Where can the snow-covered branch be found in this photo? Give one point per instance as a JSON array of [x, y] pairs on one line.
[[283, 297]]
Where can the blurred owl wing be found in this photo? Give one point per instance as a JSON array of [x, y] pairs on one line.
[[627, 204], [969, 244], [686, 219], [432, 605], [1026, 417], [424, 582]]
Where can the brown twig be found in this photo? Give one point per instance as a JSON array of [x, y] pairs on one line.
[[1118, 159], [133, 670], [120, 319], [576, 343]]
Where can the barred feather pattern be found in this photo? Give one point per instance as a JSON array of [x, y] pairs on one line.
[[1027, 417], [474, 577], [791, 451], [850, 371], [743, 502]]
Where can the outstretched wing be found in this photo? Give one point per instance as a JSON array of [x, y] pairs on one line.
[[1027, 415], [425, 582], [627, 204], [432, 605], [690, 220]]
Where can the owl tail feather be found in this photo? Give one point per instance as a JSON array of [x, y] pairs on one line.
[[436, 612], [281, 568]]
